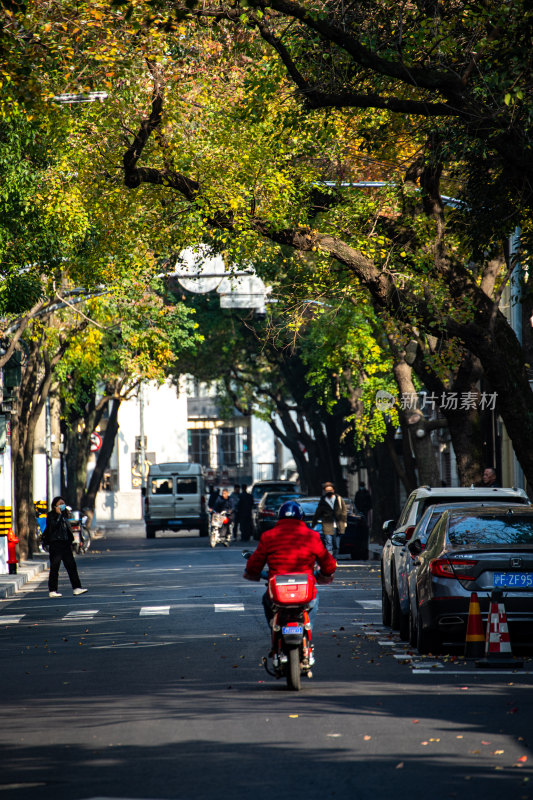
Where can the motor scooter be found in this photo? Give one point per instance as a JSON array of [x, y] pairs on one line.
[[219, 531], [82, 537], [292, 650]]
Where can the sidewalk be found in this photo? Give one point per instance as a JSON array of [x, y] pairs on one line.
[[26, 570]]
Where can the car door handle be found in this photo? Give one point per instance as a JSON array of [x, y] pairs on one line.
[[179, 498]]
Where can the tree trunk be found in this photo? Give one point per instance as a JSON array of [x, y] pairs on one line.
[[415, 423], [77, 433], [104, 455], [32, 393], [383, 480]]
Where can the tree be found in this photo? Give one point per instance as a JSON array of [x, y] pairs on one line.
[[137, 338], [440, 290]]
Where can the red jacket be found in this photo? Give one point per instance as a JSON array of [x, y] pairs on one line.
[[290, 546]]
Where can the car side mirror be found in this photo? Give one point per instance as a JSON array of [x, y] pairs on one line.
[[399, 539], [416, 547], [388, 526]]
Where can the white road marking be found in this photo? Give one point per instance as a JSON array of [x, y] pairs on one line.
[[154, 611], [82, 613], [480, 673], [369, 604], [10, 620], [229, 607]]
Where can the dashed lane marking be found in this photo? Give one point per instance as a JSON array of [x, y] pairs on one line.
[[11, 619], [229, 607], [81, 613], [154, 611]]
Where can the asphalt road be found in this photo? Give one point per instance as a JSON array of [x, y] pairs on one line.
[[150, 686]]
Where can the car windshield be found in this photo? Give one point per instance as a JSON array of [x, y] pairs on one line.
[[497, 531], [276, 500]]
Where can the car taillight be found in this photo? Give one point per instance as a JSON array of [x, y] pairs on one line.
[[452, 568], [265, 513]]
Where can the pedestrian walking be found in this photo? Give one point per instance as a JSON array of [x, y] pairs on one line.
[[363, 499], [58, 537], [235, 499], [246, 504], [332, 511]]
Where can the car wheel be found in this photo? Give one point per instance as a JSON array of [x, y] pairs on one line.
[[150, 532], [412, 627], [395, 609], [404, 626], [427, 641], [385, 606]]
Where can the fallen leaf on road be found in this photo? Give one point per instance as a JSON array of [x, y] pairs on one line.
[[482, 742], [460, 736], [424, 744], [498, 752], [415, 721], [367, 738], [399, 766], [523, 759], [293, 716]]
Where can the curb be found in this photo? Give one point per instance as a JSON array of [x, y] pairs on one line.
[[26, 571]]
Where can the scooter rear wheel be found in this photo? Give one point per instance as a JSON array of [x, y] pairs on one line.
[[293, 670]]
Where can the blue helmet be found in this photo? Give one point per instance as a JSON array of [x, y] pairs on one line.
[[290, 510]]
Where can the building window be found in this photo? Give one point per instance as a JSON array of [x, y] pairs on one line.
[[233, 447], [199, 447]]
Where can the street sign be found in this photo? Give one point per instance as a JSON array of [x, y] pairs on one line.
[[96, 442]]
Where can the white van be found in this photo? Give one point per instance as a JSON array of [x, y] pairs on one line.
[[175, 499]]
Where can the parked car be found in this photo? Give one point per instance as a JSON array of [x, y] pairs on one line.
[[259, 488], [265, 515], [405, 560], [355, 538], [472, 550], [394, 612]]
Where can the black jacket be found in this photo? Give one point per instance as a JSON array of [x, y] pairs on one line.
[[57, 529], [222, 505]]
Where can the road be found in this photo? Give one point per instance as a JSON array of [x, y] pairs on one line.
[[150, 686]]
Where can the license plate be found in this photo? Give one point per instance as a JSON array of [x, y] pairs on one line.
[[175, 522], [520, 580], [293, 629]]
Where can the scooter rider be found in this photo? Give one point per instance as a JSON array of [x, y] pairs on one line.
[[291, 547], [223, 505]]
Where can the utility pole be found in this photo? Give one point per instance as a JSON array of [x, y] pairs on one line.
[[142, 442]]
